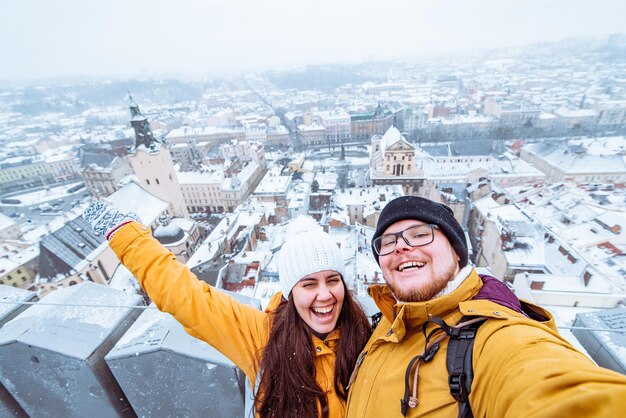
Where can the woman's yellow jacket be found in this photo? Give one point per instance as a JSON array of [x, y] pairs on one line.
[[238, 331]]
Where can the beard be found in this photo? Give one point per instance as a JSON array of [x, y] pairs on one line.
[[421, 292]]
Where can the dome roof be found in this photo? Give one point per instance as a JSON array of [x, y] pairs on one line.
[[168, 234]]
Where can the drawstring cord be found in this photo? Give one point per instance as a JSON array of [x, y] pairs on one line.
[[430, 350], [428, 355]]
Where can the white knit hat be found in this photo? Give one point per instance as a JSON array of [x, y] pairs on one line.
[[306, 253]]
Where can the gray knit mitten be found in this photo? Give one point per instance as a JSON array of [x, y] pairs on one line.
[[105, 219]]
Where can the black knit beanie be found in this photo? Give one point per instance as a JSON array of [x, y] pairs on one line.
[[418, 208]]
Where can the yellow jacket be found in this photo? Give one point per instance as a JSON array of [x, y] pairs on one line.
[[237, 330], [522, 367]]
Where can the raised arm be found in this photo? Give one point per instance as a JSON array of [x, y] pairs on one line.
[[237, 330]]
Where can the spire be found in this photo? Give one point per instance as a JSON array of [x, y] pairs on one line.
[[379, 112], [134, 109], [143, 134]]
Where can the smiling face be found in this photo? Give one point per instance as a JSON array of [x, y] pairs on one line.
[[417, 274], [318, 298]]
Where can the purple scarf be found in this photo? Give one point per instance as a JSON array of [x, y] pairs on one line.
[[496, 291]]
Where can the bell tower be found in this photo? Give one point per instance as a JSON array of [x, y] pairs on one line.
[[143, 134], [152, 163]]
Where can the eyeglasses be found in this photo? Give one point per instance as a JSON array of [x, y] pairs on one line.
[[415, 236]]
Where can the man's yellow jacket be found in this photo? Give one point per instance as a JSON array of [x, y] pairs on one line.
[[522, 367]]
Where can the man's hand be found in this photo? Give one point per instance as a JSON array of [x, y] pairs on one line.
[[105, 219]]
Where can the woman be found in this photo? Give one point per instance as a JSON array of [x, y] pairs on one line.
[[300, 351]]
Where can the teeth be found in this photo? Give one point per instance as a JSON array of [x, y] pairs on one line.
[[323, 310], [411, 264]]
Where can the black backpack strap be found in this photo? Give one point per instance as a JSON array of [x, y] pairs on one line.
[[459, 362], [376, 319]]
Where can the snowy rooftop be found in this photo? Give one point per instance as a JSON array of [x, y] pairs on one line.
[[124, 280], [596, 155], [335, 115], [368, 196], [467, 119], [326, 181], [243, 177], [390, 137], [485, 204], [611, 346], [528, 249], [508, 166], [133, 198], [5, 221], [78, 330], [575, 113], [312, 127], [186, 131], [194, 177], [228, 226], [273, 184], [587, 229], [11, 260], [10, 294]]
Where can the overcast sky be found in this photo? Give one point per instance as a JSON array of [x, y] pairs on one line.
[[50, 38]]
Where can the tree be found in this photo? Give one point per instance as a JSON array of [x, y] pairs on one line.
[[315, 186], [342, 178]]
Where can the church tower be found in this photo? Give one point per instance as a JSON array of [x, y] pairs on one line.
[[143, 134], [152, 163]]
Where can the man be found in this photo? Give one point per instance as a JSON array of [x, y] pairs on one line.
[[521, 366]]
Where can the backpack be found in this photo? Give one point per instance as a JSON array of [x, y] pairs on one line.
[[459, 361]]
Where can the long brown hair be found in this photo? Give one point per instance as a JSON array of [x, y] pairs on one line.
[[287, 386]]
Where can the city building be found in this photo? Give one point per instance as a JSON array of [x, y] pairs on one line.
[[583, 160], [365, 125], [278, 136], [312, 135], [273, 188], [245, 151], [18, 266], [210, 134], [363, 205], [9, 229], [105, 176], [394, 161], [28, 171], [611, 113], [337, 124], [190, 156]]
